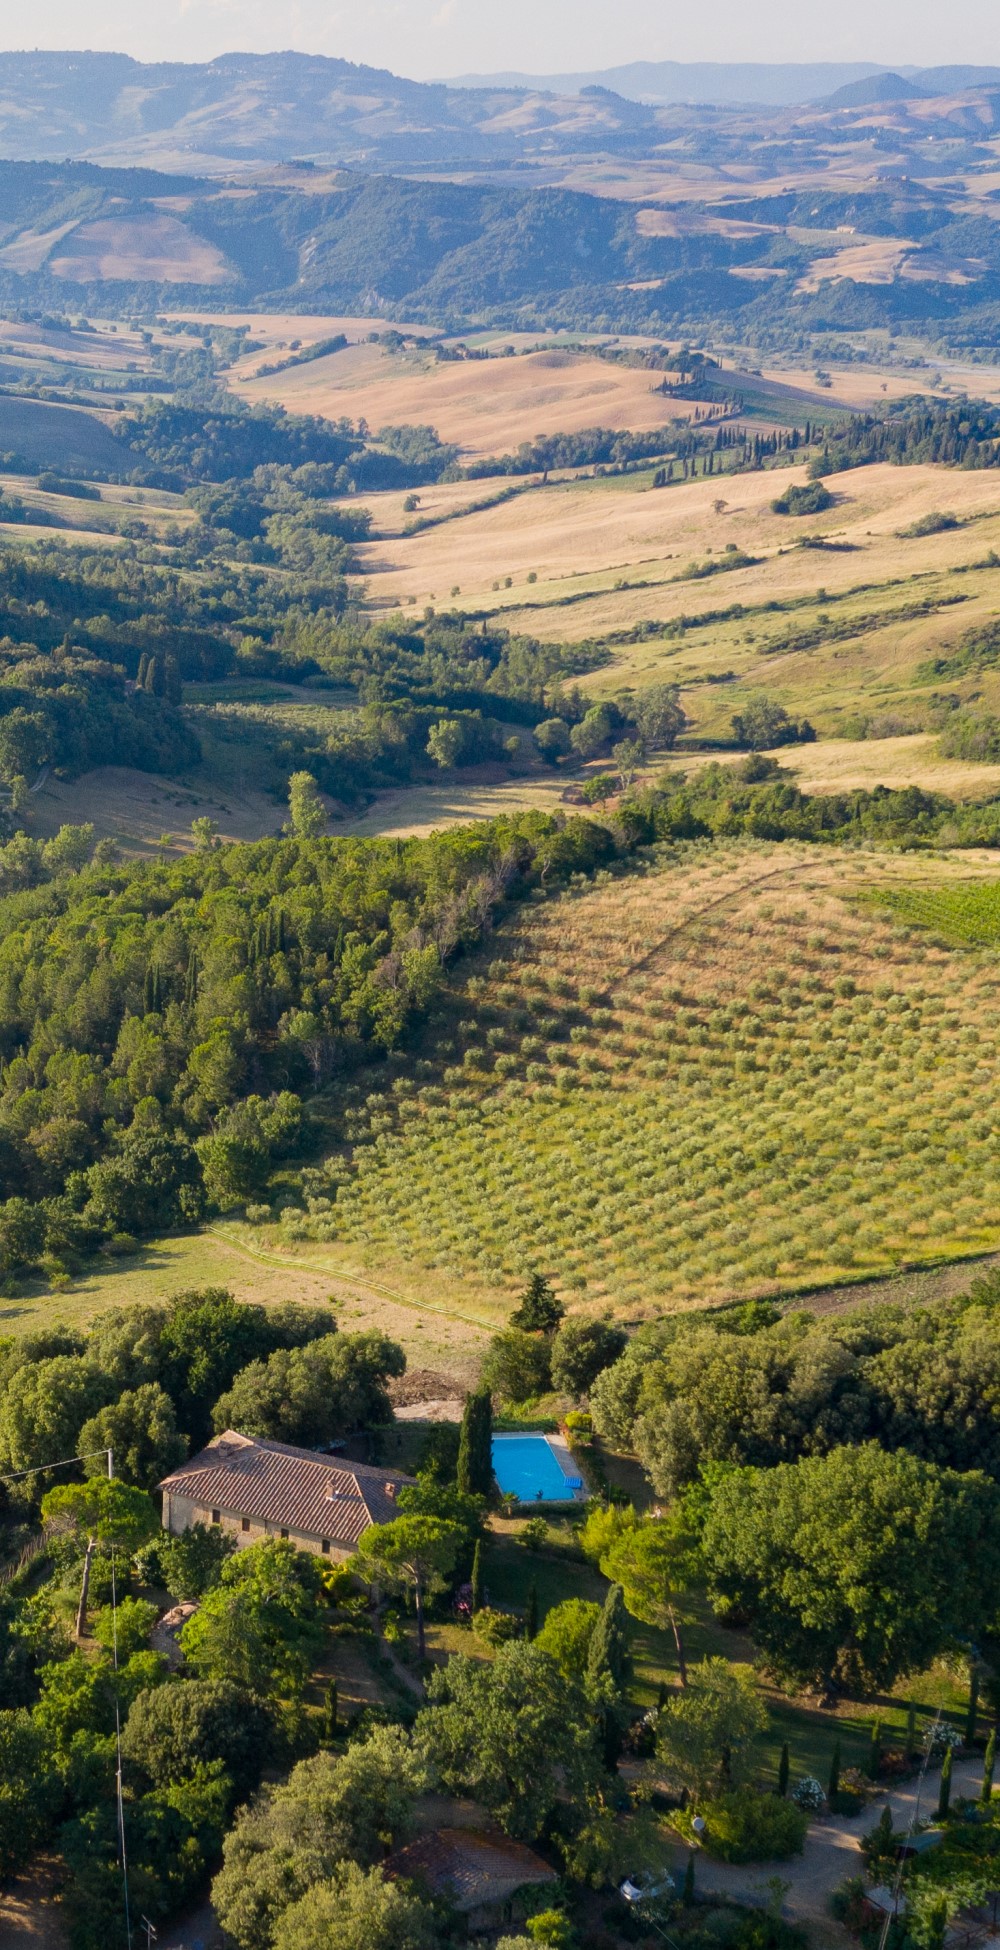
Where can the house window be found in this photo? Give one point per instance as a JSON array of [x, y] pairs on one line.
[[216, 1516], [325, 1547], [244, 1523], [284, 1533]]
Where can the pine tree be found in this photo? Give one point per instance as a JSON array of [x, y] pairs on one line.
[[944, 1792], [687, 1893], [531, 1612], [539, 1312], [477, 1576], [986, 1792], [608, 1652], [972, 1716], [833, 1788], [474, 1473], [783, 1771]]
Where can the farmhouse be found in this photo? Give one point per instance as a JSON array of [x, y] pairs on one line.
[[479, 1874], [256, 1489]]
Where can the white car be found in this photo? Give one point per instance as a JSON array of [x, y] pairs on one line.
[[648, 1886]]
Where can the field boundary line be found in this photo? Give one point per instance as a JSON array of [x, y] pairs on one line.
[[359, 1287]]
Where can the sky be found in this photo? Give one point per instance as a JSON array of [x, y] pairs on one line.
[[437, 38]]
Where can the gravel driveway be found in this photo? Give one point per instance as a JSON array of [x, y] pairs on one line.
[[831, 1853]]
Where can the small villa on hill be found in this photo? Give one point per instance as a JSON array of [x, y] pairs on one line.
[[256, 1489]]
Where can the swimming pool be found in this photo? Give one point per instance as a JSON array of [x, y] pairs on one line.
[[528, 1467]]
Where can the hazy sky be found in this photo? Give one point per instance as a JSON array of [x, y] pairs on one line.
[[441, 37]]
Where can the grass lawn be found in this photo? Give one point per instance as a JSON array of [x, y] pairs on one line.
[[558, 1572]]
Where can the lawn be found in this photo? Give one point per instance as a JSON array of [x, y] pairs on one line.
[[559, 1571]]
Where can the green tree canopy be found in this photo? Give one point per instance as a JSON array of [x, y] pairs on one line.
[[581, 1350], [708, 1735], [307, 1395], [141, 1431], [654, 1562], [566, 1635], [858, 1565], [259, 1626], [172, 1729], [332, 1808], [358, 1910], [518, 1365], [307, 815], [514, 1734], [413, 1550], [539, 1311]]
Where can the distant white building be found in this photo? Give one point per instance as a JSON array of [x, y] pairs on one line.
[[255, 1489]]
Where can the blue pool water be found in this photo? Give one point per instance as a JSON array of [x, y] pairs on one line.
[[526, 1466]]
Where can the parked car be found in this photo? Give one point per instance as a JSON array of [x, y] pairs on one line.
[[647, 1886]]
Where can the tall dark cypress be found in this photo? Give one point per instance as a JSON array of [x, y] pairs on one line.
[[474, 1472], [608, 1650]]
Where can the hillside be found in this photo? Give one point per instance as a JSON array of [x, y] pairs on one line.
[[637, 250], [714, 1075]]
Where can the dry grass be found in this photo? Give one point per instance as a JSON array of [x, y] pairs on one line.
[[839, 765], [442, 1324], [139, 811], [483, 409], [157, 248], [734, 1080], [585, 536]]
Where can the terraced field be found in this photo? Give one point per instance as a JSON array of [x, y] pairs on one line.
[[721, 1073]]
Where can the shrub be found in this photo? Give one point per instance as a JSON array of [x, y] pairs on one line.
[[812, 499], [746, 1826], [495, 1627], [808, 1794]]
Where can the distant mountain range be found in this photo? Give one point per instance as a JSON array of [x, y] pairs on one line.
[[249, 109], [768, 85]]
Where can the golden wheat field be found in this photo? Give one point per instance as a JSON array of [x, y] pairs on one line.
[[722, 1072]]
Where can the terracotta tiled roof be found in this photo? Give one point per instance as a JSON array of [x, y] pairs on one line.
[[471, 1869], [318, 1496]]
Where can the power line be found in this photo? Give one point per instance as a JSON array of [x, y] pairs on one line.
[[64, 1462]]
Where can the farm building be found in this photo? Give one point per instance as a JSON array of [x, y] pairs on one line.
[[478, 1873], [256, 1489]]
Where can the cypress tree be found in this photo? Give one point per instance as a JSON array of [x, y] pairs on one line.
[[972, 1716], [986, 1792], [331, 1710], [783, 1771], [911, 1733], [474, 1473], [191, 981], [531, 1612], [143, 668], [833, 1788], [875, 1751], [477, 1576], [608, 1651], [944, 1792]]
